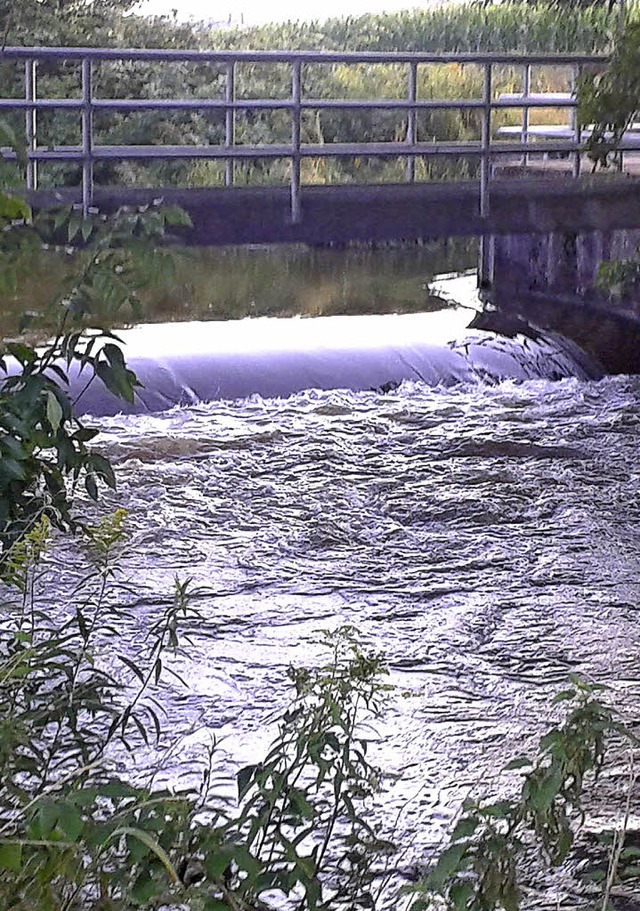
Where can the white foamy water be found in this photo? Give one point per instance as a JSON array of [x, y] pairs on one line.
[[484, 538]]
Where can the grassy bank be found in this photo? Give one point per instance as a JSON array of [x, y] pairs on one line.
[[233, 283]]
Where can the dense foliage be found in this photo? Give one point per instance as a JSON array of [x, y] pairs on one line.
[[482, 868], [610, 100], [471, 26], [517, 27], [83, 23], [609, 105]]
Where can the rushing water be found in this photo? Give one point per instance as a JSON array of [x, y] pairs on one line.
[[203, 361], [485, 539]]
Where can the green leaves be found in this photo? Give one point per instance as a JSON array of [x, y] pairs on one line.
[[10, 856], [53, 819], [245, 779], [55, 413], [608, 101], [110, 367], [41, 444], [310, 790], [24, 354], [12, 208], [479, 871], [448, 863], [175, 217], [152, 844]]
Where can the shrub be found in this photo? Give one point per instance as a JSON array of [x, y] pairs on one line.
[[74, 833]]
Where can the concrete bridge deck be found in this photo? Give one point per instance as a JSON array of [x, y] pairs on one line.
[[385, 212]]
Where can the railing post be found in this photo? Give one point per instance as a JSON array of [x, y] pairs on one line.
[[485, 160], [296, 97], [30, 123], [575, 123], [412, 122], [87, 136], [230, 122], [526, 90], [485, 270]]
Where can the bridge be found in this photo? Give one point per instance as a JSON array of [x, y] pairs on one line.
[[69, 86], [544, 233]]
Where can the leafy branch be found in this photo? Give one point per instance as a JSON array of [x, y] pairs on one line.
[[480, 869]]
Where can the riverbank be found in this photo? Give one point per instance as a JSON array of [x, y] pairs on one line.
[[235, 283]]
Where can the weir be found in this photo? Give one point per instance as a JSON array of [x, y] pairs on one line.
[[189, 363], [543, 237]]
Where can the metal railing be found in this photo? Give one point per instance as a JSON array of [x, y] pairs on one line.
[[88, 152]]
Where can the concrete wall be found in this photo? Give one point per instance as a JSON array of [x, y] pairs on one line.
[[383, 212], [562, 265], [549, 280]]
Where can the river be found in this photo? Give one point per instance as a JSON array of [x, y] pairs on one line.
[[484, 538]]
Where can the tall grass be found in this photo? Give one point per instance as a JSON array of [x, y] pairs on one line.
[[471, 27], [505, 27]]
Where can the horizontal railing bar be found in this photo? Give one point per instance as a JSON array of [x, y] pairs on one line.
[[9, 104], [250, 104], [388, 104], [309, 104], [158, 54], [323, 150], [534, 103], [545, 96], [215, 104]]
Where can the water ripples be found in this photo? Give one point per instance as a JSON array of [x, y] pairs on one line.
[[486, 539]]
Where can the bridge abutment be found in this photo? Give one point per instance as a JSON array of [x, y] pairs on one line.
[[561, 264], [551, 281]]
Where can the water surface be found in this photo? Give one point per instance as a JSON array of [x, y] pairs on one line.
[[484, 538]]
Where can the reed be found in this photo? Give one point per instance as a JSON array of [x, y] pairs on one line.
[[504, 27]]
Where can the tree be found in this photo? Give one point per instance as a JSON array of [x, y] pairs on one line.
[[609, 101]]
